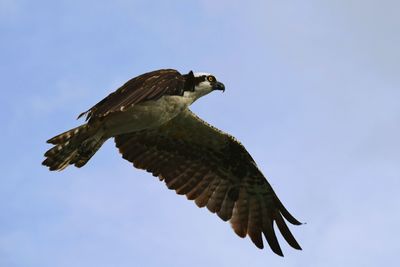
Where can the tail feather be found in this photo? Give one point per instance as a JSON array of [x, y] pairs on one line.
[[73, 147], [65, 136]]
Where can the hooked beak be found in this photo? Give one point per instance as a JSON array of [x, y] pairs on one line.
[[219, 86]]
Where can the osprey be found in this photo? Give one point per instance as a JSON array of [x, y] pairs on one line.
[[153, 128]]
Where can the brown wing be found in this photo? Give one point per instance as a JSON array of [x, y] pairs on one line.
[[148, 86], [216, 171]]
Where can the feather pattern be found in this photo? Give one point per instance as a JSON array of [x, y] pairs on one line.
[[146, 87], [213, 169]]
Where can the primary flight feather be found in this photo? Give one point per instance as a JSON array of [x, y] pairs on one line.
[[149, 118]]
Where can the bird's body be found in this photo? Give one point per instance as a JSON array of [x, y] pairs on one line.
[[155, 130], [147, 115]]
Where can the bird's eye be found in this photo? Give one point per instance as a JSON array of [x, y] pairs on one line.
[[211, 78]]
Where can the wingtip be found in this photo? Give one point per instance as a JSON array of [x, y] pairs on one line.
[[279, 254], [239, 231], [288, 216], [258, 244], [277, 250]]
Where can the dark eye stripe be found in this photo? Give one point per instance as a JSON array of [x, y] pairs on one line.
[[200, 79]]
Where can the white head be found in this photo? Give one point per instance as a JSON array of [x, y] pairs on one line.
[[203, 83]]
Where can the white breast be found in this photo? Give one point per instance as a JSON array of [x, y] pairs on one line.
[[146, 115]]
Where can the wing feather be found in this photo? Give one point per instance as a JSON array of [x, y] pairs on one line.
[[269, 233], [197, 190], [225, 212], [240, 215], [146, 87], [215, 202], [254, 229], [192, 182], [213, 169], [202, 200], [284, 229]]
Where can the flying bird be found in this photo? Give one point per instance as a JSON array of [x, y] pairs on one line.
[[153, 128]]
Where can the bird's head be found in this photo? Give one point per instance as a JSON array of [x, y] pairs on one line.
[[202, 83]]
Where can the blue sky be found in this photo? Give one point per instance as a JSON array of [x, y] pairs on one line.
[[313, 91]]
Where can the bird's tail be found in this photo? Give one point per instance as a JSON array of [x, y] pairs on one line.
[[75, 146]]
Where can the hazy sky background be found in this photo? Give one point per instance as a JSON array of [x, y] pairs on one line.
[[313, 92]]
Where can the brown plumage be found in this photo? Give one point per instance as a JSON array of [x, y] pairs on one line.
[[213, 169], [148, 86]]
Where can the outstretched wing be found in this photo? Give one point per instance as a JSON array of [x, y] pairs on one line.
[[148, 86], [216, 171]]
